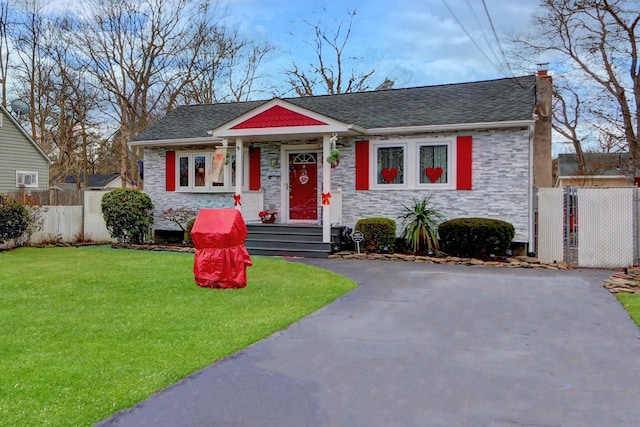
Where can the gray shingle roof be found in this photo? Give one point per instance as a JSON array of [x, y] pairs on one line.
[[95, 181], [596, 164], [476, 102]]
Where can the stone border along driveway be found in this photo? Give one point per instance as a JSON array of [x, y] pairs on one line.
[[625, 280], [511, 262]]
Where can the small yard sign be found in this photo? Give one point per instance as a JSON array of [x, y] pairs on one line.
[[357, 237]]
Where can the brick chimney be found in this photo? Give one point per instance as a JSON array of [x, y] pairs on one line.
[[542, 167]]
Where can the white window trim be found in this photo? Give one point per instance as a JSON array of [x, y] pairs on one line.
[[21, 179], [227, 188], [451, 156], [412, 166], [373, 179]]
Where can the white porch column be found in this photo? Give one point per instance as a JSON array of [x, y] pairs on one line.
[[326, 188], [239, 170]]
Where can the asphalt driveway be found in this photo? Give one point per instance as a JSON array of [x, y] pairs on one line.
[[425, 345]]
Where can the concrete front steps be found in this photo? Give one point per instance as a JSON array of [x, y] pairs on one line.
[[290, 240]]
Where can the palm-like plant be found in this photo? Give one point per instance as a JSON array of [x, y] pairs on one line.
[[420, 226]]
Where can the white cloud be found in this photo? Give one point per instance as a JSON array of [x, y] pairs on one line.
[[415, 42]]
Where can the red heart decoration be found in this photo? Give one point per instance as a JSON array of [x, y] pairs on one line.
[[433, 174], [389, 174]]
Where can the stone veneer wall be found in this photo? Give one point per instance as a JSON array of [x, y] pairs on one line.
[[500, 184], [154, 187]]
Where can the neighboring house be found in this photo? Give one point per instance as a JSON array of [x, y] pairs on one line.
[[24, 166], [470, 147], [601, 170], [95, 182]]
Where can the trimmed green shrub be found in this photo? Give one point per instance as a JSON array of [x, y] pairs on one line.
[[127, 213], [378, 233], [475, 237], [14, 219]]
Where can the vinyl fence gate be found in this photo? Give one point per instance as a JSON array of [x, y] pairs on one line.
[[588, 226]]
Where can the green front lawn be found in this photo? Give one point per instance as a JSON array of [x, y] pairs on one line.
[[88, 331], [631, 303]]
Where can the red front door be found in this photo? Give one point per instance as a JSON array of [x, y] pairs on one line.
[[303, 186]]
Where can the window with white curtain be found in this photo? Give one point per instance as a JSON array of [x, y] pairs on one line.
[[434, 160], [390, 161], [197, 172], [413, 164]]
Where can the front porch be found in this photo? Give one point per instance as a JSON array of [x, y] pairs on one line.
[[291, 240]]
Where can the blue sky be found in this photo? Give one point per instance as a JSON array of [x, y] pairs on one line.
[[414, 42]]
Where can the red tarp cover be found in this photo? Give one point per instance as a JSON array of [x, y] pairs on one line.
[[221, 259]]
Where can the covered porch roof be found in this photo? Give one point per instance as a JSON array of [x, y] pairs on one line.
[[274, 120]]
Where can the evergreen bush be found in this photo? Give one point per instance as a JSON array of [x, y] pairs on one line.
[[378, 233], [14, 219], [475, 237], [128, 214]]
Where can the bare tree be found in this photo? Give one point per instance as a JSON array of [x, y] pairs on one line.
[[130, 60], [244, 65], [33, 71], [226, 66], [47, 76], [5, 26], [330, 73], [76, 101], [599, 40], [135, 52], [566, 112]]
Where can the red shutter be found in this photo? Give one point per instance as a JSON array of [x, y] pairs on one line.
[[170, 184], [464, 163], [254, 168], [362, 165]]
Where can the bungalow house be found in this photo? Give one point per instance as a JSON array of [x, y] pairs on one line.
[[601, 170], [24, 166], [333, 160]]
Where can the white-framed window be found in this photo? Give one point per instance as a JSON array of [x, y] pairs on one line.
[[413, 164], [390, 161], [199, 171], [26, 179], [434, 164]]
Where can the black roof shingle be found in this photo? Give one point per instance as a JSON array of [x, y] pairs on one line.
[[507, 99]]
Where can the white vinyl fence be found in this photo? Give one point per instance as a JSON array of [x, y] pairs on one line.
[[550, 225], [59, 224], [94, 226], [588, 226], [73, 223]]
